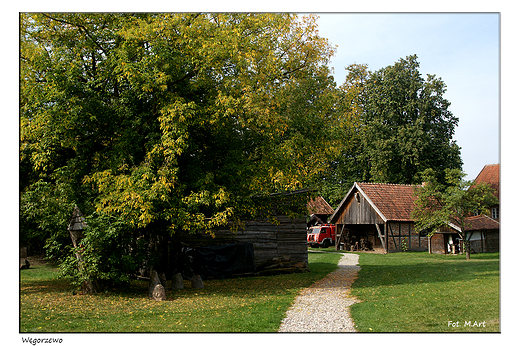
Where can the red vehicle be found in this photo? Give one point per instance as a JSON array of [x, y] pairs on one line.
[[321, 235]]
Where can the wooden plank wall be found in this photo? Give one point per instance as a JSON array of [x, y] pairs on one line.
[[437, 243], [485, 241], [287, 238], [492, 241], [358, 212]]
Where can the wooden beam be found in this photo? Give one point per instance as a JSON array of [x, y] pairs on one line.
[[409, 237], [400, 241], [393, 237], [469, 240], [381, 238], [419, 234], [338, 238], [386, 236]]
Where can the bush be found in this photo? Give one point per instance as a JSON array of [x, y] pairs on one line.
[[107, 254], [404, 244]]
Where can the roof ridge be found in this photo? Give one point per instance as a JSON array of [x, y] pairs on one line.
[[391, 184], [484, 215]]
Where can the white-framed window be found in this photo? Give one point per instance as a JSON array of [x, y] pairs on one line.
[[494, 213]]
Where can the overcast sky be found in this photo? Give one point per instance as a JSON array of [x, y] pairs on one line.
[[460, 48]]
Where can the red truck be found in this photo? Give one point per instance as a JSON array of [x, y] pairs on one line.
[[321, 235]]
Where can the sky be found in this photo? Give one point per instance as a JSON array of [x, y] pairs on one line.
[[460, 48]]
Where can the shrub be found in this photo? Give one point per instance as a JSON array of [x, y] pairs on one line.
[[104, 255], [404, 244]]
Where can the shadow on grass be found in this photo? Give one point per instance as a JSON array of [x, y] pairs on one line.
[[319, 267], [418, 268]]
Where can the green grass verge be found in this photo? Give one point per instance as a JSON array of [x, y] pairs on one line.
[[249, 304], [421, 292]]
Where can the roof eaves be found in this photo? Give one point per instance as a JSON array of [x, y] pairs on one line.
[[341, 203], [455, 227]]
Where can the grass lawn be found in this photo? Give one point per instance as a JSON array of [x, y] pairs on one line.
[[421, 292], [250, 304]]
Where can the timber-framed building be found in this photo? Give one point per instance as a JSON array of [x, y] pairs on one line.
[[378, 215]]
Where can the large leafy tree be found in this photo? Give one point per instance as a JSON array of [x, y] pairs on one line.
[[168, 122], [408, 127], [439, 204], [346, 164], [393, 125]]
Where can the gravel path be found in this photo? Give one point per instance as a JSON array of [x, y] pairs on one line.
[[323, 307]]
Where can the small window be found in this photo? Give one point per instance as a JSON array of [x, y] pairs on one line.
[[494, 213]]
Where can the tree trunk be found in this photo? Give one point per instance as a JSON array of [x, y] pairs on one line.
[[89, 287], [466, 245]]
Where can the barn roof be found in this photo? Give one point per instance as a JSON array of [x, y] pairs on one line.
[[393, 202], [319, 206], [490, 174], [478, 223]]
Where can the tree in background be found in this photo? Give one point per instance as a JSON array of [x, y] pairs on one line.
[[407, 126], [394, 124], [438, 204], [167, 122], [346, 164]]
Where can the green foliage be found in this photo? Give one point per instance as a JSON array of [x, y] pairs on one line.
[[421, 293], [393, 124], [108, 253], [170, 122], [47, 225], [404, 244], [345, 164], [440, 203], [408, 125], [175, 118]]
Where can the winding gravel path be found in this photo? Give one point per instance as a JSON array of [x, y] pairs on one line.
[[323, 307]]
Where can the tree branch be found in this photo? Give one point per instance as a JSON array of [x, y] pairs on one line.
[[81, 27]]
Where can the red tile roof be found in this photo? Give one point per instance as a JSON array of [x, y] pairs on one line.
[[319, 206], [480, 222], [490, 174], [394, 201]]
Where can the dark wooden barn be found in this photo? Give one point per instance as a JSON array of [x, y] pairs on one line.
[[279, 242], [283, 240], [378, 217]]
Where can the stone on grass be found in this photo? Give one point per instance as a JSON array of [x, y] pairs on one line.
[[154, 281], [159, 294], [178, 282], [196, 282]]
